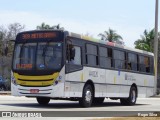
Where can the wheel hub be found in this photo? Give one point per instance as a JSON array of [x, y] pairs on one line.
[[133, 96], [88, 96]]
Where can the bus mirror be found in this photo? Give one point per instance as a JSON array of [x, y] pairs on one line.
[[72, 53]]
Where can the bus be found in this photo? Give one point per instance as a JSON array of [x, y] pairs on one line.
[[57, 64]]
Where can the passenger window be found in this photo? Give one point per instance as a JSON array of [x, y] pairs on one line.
[[132, 62], [105, 57], [141, 64], [119, 59], [151, 65], [146, 62], [91, 55]]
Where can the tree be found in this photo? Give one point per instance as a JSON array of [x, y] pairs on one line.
[[7, 34], [111, 36], [146, 41], [44, 26]]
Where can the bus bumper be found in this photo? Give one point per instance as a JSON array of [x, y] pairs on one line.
[[49, 91]]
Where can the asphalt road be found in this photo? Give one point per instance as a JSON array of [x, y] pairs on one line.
[[61, 108]]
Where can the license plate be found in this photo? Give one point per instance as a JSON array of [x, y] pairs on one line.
[[34, 90]]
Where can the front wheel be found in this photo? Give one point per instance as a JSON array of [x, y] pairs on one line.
[[43, 100], [87, 97]]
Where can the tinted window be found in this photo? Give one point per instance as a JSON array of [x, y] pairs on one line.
[[132, 62], [105, 57], [103, 52], [141, 64], [92, 55], [119, 59], [151, 65], [91, 49]]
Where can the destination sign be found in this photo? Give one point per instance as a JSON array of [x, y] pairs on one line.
[[24, 66], [44, 35], [39, 36]]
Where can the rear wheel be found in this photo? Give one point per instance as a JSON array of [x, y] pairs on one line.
[[87, 97], [131, 100], [43, 100]]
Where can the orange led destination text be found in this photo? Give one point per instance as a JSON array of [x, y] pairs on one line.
[[24, 66], [38, 35]]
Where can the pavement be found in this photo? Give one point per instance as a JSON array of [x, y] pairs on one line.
[[155, 96]]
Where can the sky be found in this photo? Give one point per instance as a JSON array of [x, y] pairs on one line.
[[129, 18]]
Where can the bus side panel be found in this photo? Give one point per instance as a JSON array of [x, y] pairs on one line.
[[150, 92], [74, 84], [98, 77], [116, 84], [141, 92]]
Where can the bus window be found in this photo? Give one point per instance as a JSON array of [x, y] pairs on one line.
[[119, 59], [73, 54], [146, 62], [105, 59], [92, 55], [142, 67], [151, 65], [132, 62]]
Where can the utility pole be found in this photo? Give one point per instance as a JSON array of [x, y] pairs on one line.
[[156, 46]]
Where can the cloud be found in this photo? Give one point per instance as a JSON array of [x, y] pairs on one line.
[[129, 33]]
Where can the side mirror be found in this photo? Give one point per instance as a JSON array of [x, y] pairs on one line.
[[72, 53]]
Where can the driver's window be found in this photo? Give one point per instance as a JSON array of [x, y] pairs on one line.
[[73, 54]]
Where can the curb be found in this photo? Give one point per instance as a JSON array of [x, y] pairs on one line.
[[5, 92]]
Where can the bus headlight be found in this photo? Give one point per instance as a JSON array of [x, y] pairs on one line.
[[13, 80]]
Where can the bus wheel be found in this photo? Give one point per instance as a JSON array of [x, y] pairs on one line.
[[131, 100], [43, 100], [98, 100], [87, 96]]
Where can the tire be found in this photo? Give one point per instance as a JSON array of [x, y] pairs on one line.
[[87, 96], [98, 101], [43, 100], [131, 100]]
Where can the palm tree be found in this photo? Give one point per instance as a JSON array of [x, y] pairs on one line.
[[111, 36], [44, 26], [146, 41]]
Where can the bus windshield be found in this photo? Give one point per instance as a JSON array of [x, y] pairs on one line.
[[38, 56]]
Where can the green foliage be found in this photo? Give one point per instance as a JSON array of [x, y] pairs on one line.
[[111, 36], [146, 41], [44, 26]]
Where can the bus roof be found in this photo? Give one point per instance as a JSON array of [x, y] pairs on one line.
[[97, 41], [108, 43]]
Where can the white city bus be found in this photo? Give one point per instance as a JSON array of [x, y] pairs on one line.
[[55, 64]]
